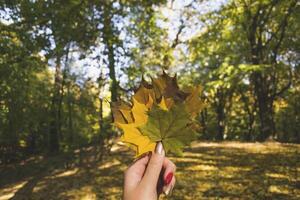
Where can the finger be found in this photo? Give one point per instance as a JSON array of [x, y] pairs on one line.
[[133, 175], [167, 174], [154, 167], [140, 163], [169, 171], [169, 188]]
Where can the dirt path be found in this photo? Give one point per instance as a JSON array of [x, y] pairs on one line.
[[228, 170]]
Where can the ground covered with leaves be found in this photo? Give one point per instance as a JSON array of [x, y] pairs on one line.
[[228, 170]]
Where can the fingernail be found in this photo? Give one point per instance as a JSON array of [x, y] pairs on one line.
[[168, 190], [159, 149], [168, 178]]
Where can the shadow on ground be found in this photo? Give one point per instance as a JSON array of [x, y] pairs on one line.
[[207, 171]]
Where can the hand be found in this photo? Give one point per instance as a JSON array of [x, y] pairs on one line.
[[149, 176]]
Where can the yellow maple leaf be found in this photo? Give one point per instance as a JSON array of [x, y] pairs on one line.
[[193, 102], [122, 112], [163, 93], [133, 136], [167, 86], [165, 103], [139, 112], [143, 94]]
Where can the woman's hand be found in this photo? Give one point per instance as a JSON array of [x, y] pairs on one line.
[[149, 176]]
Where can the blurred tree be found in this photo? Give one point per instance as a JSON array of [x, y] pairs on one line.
[[244, 53], [266, 24], [55, 26], [24, 85], [123, 24], [256, 33]]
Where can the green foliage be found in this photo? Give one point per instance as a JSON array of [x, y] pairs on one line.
[[245, 54], [288, 118], [37, 112], [172, 127], [243, 59]]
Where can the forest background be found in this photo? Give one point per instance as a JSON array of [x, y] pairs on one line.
[[63, 62]]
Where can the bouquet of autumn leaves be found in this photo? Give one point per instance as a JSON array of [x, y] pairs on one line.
[[159, 112]]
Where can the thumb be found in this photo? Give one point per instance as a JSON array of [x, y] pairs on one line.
[[154, 167]]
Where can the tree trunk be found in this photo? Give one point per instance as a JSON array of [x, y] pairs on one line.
[[12, 130], [65, 73], [55, 109], [265, 112], [221, 123], [264, 82], [108, 37], [101, 132], [220, 111], [100, 122], [261, 83], [101, 115], [250, 109], [70, 115], [264, 101], [203, 118], [32, 141], [249, 134]]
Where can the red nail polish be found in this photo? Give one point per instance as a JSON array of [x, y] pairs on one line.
[[168, 178]]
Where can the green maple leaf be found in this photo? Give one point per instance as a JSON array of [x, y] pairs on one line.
[[171, 127]]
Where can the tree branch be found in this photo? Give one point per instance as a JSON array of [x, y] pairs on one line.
[[176, 40], [284, 24], [284, 88]]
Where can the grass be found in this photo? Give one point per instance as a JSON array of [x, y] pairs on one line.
[[229, 170]]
